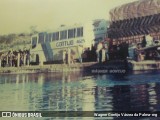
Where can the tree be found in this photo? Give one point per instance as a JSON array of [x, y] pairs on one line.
[[10, 38]]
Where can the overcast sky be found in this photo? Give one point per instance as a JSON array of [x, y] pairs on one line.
[[17, 16]]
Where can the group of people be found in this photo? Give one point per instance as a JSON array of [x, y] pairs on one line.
[[119, 51], [14, 58], [98, 53], [147, 54], [141, 55], [102, 53], [89, 55]]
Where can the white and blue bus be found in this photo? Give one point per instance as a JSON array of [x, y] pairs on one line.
[[50, 47]]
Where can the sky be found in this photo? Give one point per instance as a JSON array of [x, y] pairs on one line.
[[17, 16]]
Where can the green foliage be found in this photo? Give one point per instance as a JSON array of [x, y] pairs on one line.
[[13, 40]]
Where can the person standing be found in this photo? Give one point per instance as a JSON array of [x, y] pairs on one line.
[[64, 56], [69, 56], [103, 54], [80, 51], [18, 59], [98, 51], [144, 42], [107, 53], [149, 40]]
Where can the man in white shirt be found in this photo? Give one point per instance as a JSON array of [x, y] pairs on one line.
[[149, 40], [99, 47]]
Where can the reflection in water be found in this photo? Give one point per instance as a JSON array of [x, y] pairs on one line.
[[152, 96], [78, 92]]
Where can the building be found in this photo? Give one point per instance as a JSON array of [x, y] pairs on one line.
[[130, 22]]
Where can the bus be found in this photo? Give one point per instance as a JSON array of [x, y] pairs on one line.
[[53, 47]]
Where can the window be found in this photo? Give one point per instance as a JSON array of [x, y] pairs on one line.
[[55, 36], [41, 38], [63, 35], [80, 32], [47, 38], [34, 41], [71, 33], [50, 37]]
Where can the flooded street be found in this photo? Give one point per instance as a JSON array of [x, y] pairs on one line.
[[80, 92]]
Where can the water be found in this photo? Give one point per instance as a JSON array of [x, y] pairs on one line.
[[80, 92]]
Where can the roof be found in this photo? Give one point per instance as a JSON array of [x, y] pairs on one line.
[[135, 9]]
